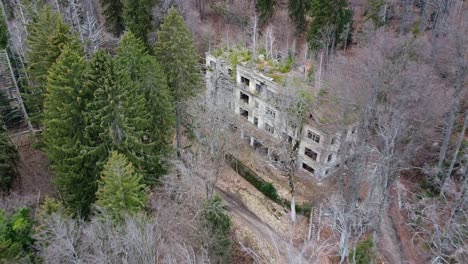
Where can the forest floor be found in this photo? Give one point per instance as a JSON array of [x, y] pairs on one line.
[[34, 175], [268, 230]]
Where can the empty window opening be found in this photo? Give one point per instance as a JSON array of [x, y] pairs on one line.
[[256, 121], [330, 157], [230, 72], [326, 172], [333, 140], [245, 81], [311, 154], [258, 87], [308, 168], [244, 97], [271, 112], [269, 129], [313, 136], [244, 113], [337, 165]]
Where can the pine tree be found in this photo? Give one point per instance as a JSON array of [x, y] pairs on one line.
[[113, 10], [15, 236], [64, 121], [48, 34], [266, 8], [333, 13], [175, 49], [116, 117], [121, 190], [218, 223], [144, 76], [298, 10], [8, 159], [3, 30], [137, 17]]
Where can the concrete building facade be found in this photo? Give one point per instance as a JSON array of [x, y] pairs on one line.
[[249, 95]]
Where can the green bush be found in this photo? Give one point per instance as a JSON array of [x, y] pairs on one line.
[[265, 187], [8, 159], [269, 191], [219, 224], [363, 251], [3, 32], [15, 235]]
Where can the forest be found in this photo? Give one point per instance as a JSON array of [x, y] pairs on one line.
[[128, 133]]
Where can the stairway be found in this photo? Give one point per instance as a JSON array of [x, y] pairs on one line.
[[314, 223], [9, 86]]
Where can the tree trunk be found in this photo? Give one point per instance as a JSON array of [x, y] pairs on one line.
[[455, 155], [178, 132], [293, 208], [447, 134]]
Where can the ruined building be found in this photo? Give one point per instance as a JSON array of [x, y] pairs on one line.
[[250, 97]]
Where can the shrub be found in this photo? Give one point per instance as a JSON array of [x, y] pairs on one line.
[[219, 224], [15, 235], [363, 253], [265, 187], [269, 191]]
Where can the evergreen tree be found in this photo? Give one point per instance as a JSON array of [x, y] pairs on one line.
[[132, 110], [218, 222], [11, 116], [298, 10], [137, 17], [175, 48], [333, 13], [266, 8], [145, 75], [3, 31], [113, 10], [48, 34], [8, 159], [15, 236], [63, 117], [121, 190]]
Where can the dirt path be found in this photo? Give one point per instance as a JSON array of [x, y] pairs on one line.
[[389, 245], [237, 207], [35, 177]]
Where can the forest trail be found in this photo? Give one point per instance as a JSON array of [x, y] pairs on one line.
[[389, 244], [237, 207]]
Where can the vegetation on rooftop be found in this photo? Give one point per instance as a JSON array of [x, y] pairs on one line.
[[275, 69]]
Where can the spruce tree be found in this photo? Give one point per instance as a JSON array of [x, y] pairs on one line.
[[113, 11], [143, 75], [121, 190], [48, 34], [175, 49], [137, 17], [8, 159], [64, 121], [266, 8], [298, 10], [333, 13], [3, 30]]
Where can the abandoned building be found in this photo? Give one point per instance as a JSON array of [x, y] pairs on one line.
[[248, 93]]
